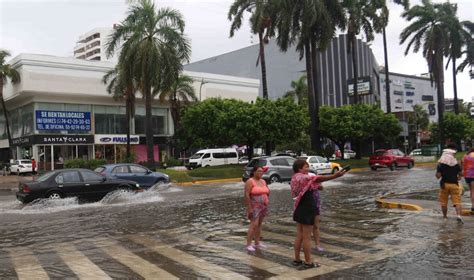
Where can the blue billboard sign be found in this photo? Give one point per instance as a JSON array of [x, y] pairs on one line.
[[63, 120]]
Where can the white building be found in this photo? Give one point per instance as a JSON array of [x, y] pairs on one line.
[[407, 91], [92, 45], [62, 108]]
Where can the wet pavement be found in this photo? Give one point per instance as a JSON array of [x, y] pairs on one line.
[[199, 232]]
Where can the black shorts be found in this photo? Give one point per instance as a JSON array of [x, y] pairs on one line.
[[306, 210], [469, 180]]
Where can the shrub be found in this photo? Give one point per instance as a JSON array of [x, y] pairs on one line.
[[80, 163], [173, 162]]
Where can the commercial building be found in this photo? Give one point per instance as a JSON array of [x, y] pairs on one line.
[[334, 67], [407, 91], [92, 45], [61, 110]]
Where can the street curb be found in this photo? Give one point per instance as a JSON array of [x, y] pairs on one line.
[[216, 181], [381, 202]]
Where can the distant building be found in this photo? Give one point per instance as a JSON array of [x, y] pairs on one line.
[[449, 104], [407, 91], [334, 68], [92, 45]]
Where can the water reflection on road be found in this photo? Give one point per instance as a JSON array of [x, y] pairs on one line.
[[206, 222]]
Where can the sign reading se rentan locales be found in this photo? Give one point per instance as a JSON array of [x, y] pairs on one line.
[[63, 120]]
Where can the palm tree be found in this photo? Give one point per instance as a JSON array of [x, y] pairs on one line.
[[468, 51], [120, 84], [299, 90], [428, 31], [7, 72], [381, 22], [155, 47], [260, 23], [362, 14], [460, 33], [182, 90], [310, 25]]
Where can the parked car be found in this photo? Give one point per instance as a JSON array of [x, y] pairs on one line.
[[280, 168], [213, 157], [391, 158], [82, 183], [348, 154], [321, 165], [243, 160], [21, 166], [134, 172], [415, 152]]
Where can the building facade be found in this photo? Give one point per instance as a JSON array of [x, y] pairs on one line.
[[334, 67], [407, 91], [92, 45], [61, 110]]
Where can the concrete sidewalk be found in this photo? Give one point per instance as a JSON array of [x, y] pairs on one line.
[[10, 182]]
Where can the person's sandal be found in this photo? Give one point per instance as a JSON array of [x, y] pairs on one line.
[[297, 263], [310, 265]]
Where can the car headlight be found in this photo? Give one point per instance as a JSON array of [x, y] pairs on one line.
[[137, 185]]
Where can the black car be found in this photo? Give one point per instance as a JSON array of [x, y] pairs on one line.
[[82, 183]]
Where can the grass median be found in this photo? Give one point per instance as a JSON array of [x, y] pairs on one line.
[[205, 173]]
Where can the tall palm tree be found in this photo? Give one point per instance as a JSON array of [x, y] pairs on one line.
[[182, 90], [460, 33], [310, 25], [468, 51], [428, 31], [361, 15], [120, 84], [381, 22], [299, 90], [155, 46], [260, 24], [7, 72]]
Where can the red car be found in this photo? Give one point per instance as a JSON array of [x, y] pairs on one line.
[[391, 158]]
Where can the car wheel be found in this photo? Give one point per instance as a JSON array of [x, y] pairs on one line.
[[393, 166], [410, 165], [55, 195], [274, 179], [334, 170], [373, 168]]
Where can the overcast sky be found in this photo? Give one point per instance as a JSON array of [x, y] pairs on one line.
[[53, 27]]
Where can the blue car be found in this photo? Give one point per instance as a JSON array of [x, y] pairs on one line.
[[133, 172]]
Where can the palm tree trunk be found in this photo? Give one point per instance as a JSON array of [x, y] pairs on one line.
[[7, 122], [128, 110], [455, 88], [354, 66], [314, 64], [440, 89], [387, 78], [149, 129], [263, 66], [312, 115]]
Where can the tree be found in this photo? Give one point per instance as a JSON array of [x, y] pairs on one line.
[[428, 31], [459, 36], [457, 127], [154, 46], [182, 91], [120, 84], [6, 73], [260, 23], [299, 91], [361, 14], [419, 119], [381, 22]]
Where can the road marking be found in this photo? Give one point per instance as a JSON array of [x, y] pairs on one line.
[[240, 256], [79, 263], [27, 265], [139, 265], [199, 265]]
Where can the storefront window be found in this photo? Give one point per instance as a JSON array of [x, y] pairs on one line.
[[159, 121], [21, 120], [110, 120], [3, 128]]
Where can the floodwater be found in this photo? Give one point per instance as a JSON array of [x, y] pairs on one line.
[[199, 232]]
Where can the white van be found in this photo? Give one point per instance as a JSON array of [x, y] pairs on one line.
[[213, 157]]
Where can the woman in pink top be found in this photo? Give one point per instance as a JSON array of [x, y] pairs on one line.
[[468, 171], [256, 200]]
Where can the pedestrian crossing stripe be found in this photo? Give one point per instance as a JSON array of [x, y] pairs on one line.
[[280, 250]]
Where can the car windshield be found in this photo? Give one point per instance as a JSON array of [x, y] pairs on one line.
[[44, 177], [303, 158], [196, 156], [379, 153], [25, 161]]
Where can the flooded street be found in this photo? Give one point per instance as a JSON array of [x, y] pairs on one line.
[[199, 232]]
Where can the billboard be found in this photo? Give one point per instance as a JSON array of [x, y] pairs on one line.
[[63, 120], [363, 86]]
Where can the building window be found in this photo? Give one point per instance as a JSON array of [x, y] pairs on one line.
[[409, 100], [21, 120], [159, 121], [110, 119], [427, 98], [398, 92], [410, 93]]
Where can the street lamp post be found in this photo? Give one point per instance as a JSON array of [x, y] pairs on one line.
[[200, 88]]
